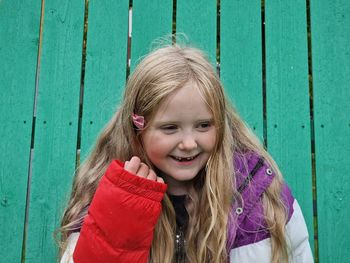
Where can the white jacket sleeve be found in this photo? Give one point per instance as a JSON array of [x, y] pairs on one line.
[[68, 253], [298, 237]]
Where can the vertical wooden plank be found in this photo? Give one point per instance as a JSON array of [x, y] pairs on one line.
[[105, 71], [241, 59], [151, 20], [287, 98], [56, 125], [330, 36], [197, 20], [19, 34]]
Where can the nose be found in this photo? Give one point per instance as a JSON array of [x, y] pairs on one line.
[[188, 142]]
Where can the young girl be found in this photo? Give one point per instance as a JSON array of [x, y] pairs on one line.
[[176, 176]]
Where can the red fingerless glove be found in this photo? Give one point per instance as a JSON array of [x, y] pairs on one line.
[[120, 222]]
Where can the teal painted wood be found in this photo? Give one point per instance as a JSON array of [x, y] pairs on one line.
[[19, 34], [151, 27], [197, 20], [241, 59], [59, 87], [105, 71], [287, 98], [56, 125], [330, 25]]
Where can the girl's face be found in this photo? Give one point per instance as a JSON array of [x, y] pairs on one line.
[[180, 138]]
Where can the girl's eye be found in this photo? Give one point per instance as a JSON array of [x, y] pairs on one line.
[[204, 126], [169, 128]]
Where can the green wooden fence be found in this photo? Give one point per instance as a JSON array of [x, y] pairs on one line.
[[285, 65]]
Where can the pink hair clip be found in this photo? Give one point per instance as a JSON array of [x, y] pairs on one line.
[[139, 121]]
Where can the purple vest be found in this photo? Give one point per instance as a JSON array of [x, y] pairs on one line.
[[253, 177]]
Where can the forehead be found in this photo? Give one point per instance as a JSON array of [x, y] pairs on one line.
[[185, 103]]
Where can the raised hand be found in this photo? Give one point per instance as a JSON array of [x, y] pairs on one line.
[[135, 166]]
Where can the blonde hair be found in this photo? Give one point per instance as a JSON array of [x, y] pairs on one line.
[[209, 201]]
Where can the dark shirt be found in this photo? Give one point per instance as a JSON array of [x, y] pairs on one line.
[[182, 218], [178, 202]]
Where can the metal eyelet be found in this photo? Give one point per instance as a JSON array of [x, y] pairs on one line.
[[268, 171], [239, 210]]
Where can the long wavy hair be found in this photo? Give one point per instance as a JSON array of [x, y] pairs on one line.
[[210, 200]]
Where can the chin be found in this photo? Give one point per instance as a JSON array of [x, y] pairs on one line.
[[183, 177]]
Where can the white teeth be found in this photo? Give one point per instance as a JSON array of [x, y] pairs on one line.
[[184, 158]]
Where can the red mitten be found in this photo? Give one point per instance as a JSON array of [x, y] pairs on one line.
[[121, 218]]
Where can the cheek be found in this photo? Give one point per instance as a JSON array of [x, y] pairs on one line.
[[155, 146], [210, 140]]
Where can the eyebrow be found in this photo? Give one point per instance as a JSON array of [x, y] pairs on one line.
[[160, 123]]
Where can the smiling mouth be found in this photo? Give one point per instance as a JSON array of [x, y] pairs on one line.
[[184, 159]]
